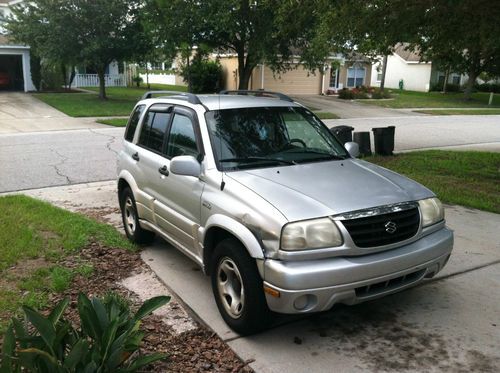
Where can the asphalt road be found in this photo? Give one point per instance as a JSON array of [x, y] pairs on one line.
[[478, 132], [42, 159]]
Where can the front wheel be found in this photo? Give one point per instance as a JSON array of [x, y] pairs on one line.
[[130, 219], [237, 288]]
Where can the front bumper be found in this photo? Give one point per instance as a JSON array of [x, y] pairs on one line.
[[316, 285]]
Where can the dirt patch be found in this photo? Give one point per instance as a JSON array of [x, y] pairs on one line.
[[197, 350], [107, 215]]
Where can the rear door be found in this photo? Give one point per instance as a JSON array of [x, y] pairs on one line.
[[179, 203], [150, 156]]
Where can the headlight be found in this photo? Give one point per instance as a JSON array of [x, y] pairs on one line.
[[432, 211], [310, 234]]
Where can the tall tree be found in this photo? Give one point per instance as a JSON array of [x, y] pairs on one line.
[[463, 34], [256, 31], [89, 32]]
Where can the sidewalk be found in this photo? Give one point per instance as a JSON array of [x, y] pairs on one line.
[[450, 323]]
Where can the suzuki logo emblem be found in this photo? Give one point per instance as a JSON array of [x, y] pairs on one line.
[[390, 227]]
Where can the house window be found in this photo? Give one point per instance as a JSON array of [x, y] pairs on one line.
[[355, 76], [455, 79]]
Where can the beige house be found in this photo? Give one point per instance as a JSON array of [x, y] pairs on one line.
[[298, 80]]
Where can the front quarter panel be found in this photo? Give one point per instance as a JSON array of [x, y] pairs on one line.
[[243, 213]]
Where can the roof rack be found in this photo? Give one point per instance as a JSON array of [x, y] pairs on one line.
[[191, 98], [259, 92]]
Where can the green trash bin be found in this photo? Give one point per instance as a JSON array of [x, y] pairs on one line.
[[384, 140]]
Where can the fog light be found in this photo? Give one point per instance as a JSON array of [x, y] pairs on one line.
[[305, 302]]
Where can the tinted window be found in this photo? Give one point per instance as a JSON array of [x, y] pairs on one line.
[[158, 130], [182, 140], [133, 121], [153, 131]]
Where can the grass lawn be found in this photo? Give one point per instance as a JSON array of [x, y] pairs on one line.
[[121, 100], [34, 240], [412, 99], [115, 122], [326, 115], [460, 112], [464, 178]]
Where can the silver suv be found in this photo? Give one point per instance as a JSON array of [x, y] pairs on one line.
[[255, 189]]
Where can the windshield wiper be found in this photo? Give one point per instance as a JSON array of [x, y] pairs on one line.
[[312, 151], [256, 159]]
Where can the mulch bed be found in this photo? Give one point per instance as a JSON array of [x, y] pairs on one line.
[[199, 350]]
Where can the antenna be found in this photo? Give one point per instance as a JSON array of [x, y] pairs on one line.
[[223, 183]]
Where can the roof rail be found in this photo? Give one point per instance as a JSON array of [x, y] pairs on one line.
[[190, 97], [259, 92]]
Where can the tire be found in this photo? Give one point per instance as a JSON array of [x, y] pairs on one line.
[[130, 219], [233, 271]]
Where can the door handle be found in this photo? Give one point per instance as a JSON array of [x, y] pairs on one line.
[[163, 170], [135, 156]]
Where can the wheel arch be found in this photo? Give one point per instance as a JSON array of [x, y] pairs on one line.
[[220, 227], [125, 179]]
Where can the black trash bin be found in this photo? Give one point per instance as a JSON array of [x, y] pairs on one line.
[[384, 140], [363, 140], [343, 133]]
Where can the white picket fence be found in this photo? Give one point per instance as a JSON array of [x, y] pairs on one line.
[[92, 80], [159, 78]]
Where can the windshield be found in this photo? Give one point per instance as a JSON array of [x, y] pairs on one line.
[[269, 136]]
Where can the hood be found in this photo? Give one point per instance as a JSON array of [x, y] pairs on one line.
[[318, 189]]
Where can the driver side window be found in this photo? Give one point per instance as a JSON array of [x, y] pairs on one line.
[[182, 138]]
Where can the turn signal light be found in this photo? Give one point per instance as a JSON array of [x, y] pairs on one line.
[[271, 292]]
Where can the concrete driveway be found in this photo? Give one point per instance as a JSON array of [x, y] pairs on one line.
[[449, 324], [21, 112], [347, 108]]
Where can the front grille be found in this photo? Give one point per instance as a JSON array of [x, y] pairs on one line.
[[392, 284], [376, 230]]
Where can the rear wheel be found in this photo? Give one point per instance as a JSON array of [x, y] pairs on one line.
[[130, 219], [237, 288]]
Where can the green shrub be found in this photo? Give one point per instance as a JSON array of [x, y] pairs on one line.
[[107, 341], [137, 80], [346, 94], [438, 87], [377, 94], [488, 87], [204, 76], [52, 79], [36, 70]]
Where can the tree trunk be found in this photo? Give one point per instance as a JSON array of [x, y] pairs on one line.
[[147, 76], [71, 76], [245, 68], [446, 76], [64, 75], [384, 69], [245, 78], [102, 84], [473, 74]]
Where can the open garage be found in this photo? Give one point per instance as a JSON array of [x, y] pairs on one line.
[[11, 72], [15, 73]]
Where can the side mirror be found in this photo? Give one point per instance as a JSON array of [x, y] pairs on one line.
[[352, 148], [186, 165]]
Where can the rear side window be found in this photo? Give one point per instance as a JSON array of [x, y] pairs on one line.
[[133, 121], [153, 131]]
